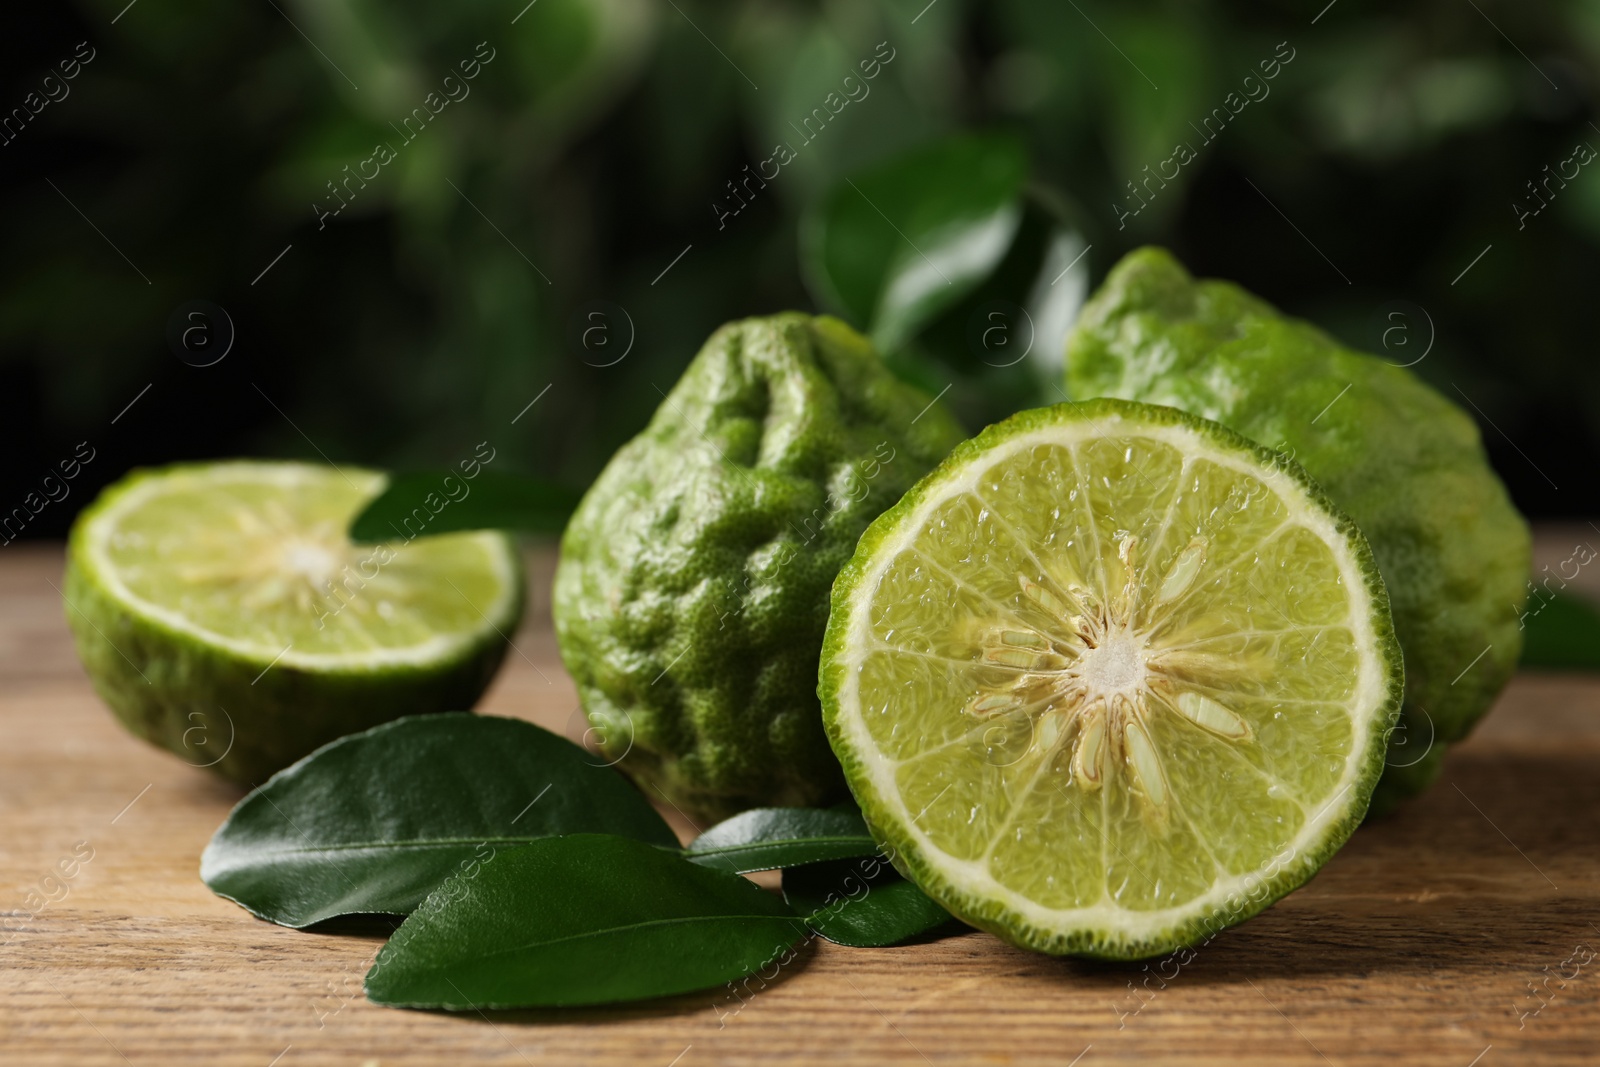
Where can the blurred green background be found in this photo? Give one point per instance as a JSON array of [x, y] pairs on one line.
[[596, 143]]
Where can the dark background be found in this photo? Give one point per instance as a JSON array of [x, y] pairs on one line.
[[190, 150]]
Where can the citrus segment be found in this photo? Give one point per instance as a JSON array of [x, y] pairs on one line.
[[1110, 678], [223, 612], [255, 556]]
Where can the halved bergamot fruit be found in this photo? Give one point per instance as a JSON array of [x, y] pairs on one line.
[[1111, 679], [223, 613]]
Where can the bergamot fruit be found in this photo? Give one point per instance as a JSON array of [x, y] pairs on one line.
[[223, 614], [1399, 458], [692, 592], [1110, 679]]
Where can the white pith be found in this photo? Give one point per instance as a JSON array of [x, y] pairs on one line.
[[309, 556], [1106, 678]]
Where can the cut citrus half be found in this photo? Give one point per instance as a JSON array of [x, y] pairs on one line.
[[223, 612], [1110, 679]]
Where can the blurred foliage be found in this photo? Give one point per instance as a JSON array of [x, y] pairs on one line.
[[605, 136], [442, 502], [1561, 633], [895, 246], [965, 276]]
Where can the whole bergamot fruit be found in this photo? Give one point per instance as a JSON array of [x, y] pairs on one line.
[[693, 588], [1399, 458]]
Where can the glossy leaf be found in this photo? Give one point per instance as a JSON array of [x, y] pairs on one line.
[[424, 503], [586, 919], [767, 838], [1055, 300], [863, 903], [374, 822], [999, 349], [1561, 633], [892, 247]]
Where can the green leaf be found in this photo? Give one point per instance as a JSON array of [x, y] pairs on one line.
[[892, 247], [1053, 303], [1561, 633], [423, 503], [586, 919], [767, 838], [862, 903], [374, 822]]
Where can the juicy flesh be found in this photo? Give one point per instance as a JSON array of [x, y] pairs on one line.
[[263, 560], [1112, 672]]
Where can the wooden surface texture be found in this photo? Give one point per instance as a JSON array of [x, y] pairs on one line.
[[1461, 932]]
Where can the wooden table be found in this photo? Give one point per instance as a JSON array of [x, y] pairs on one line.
[[1421, 942]]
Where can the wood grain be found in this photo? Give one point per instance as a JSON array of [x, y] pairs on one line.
[[1416, 944]]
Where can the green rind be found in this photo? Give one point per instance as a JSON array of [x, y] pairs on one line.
[[1404, 773], [195, 699], [995, 916], [1400, 457], [692, 593]]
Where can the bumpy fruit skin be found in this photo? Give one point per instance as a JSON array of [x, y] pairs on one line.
[[692, 593], [1399, 458]]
